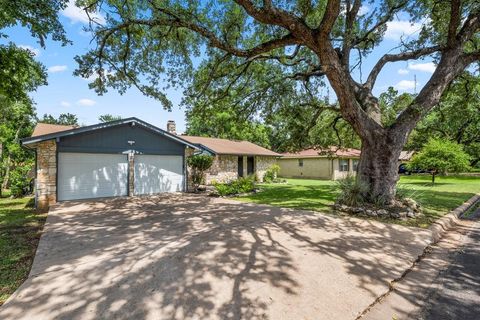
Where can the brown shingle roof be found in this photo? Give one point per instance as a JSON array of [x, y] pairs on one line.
[[327, 152], [46, 128], [225, 146]]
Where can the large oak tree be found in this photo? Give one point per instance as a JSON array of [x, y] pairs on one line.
[[269, 52]]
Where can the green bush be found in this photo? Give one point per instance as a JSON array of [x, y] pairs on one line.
[[241, 185], [352, 191], [271, 173], [19, 181], [199, 163]]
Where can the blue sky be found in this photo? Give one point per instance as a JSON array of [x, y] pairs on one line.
[[67, 93]]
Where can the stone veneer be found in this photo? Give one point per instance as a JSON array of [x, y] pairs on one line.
[[224, 169], [262, 163], [46, 180]]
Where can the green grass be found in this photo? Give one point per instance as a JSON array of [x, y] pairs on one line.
[[20, 229], [319, 195]]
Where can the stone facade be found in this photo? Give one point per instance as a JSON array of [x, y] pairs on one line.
[[262, 164], [46, 180], [224, 169]]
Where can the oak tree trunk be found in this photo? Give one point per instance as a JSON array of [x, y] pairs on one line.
[[378, 169]]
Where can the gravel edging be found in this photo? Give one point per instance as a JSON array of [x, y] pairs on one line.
[[439, 227]]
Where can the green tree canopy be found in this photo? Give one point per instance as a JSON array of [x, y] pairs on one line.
[[440, 157], [67, 119], [456, 118], [108, 118]]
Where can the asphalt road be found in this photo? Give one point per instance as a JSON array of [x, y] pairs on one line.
[[457, 294]]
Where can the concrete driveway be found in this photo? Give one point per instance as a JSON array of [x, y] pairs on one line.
[[191, 257]]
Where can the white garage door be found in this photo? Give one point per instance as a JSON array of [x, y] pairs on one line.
[[91, 175], [156, 174]]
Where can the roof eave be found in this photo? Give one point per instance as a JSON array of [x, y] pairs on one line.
[[50, 136]]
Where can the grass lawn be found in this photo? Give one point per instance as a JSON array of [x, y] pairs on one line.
[[319, 195], [20, 229]]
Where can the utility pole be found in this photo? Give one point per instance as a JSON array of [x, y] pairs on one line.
[[414, 84]]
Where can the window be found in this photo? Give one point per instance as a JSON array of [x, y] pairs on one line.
[[343, 164], [300, 162], [355, 165]]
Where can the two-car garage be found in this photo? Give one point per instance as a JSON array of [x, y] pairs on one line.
[[126, 157], [95, 175]]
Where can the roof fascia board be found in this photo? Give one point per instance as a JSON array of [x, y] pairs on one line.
[[31, 140]]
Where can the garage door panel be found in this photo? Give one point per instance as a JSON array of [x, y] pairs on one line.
[[157, 174], [83, 176]]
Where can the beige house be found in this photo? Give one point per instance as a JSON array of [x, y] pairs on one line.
[[234, 159], [332, 163]]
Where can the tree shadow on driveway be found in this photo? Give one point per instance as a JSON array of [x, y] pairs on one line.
[[191, 257]]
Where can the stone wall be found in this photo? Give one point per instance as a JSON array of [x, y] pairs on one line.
[[223, 169], [262, 163], [46, 181], [337, 174]]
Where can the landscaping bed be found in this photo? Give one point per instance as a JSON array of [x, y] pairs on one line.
[[319, 195], [20, 229]]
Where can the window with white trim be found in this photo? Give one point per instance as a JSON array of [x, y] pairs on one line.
[[355, 165], [343, 165], [300, 162]]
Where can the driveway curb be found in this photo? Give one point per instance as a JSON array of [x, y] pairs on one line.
[[439, 227]]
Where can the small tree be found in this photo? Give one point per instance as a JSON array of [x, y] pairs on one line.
[[440, 157], [199, 163]]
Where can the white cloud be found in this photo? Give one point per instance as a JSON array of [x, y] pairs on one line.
[[76, 14], [55, 69], [363, 10], [86, 102], [403, 71], [65, 104], [35, 51], [401, 28], [404, 85], [425, 67]]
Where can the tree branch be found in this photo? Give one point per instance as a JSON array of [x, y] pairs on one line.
[[454, 23], [372, 77]]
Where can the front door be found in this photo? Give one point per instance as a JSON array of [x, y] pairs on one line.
[[240, 166], [250, 165]]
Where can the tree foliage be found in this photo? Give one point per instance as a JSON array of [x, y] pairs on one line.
[[66, 119], [199, 163], [456, 118], [108, 118], [440, 157]]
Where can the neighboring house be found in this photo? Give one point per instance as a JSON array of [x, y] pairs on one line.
[[405, 156], [332, 163], [120, 158]]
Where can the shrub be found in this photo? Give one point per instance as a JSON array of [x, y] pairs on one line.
[[199, 163], [352, 191], [271, 173], [241, 185], [19, 181]]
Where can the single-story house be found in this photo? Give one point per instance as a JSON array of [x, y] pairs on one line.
[[124, 157], [234, 159], [332, 163]]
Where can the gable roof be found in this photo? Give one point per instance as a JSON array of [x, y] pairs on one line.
[[44, 131], [47, 128], [326, 152], [230, 147]]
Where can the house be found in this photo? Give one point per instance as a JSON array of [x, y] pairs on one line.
[[127, 157], [332, 163], [234, 159]]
